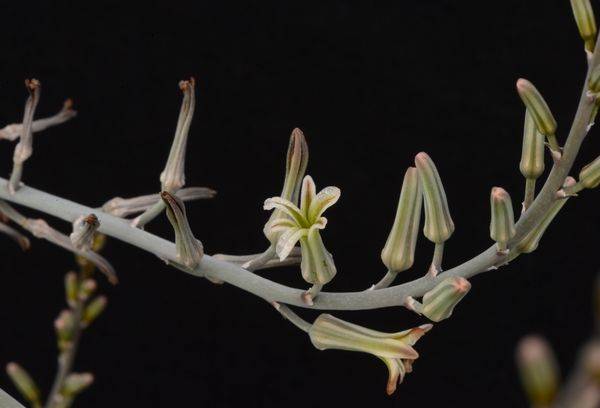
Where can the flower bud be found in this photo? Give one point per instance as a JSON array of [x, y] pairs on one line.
[[438, 223], [71, 288], [530, 242], [84, 229], [589, 176], [539, 110], [532, 155], [440, 301], [86, 289], [189, 250], [93, 310], [296, 162], [75, 383], [173, 176], [502, 225], [394, 349], [586, 23], [24, 383], [538, 370], [399, 250], [65, 328]]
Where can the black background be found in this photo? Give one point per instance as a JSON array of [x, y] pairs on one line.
[[370, 86]]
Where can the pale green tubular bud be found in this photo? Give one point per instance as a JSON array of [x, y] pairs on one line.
[[538, 370], [71, 288], [189, 250], [75, 383], [532, 155], [295, 167], [93, 310], [394, 349], [502, 224], [24, 383], [589, 176], [438, 222], [586, 23], [439, 302], [530, 242], [398, 254], [540, 112]]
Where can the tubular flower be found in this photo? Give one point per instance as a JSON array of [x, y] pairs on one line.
[[296, 162], [303, 224], [394, 349]]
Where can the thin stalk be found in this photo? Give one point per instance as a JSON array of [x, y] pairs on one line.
[[151, 213], [436, 262], [386, 281], [260, 260], [290, 315], [529, 193]]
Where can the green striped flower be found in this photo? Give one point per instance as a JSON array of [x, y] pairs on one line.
[[394, 349]]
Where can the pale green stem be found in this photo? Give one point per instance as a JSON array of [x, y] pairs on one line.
[[386, 281], [6, 401]]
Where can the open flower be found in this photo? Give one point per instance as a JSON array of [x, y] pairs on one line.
[[394, 349], [303, 225]]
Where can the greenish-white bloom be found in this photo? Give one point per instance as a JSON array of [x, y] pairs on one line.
[[394, 349], [303, 224], [586, 22], [502, 224], [189, 250], [538, 370], [532, 154], [398, 253], [439, 302], [589, 176], [295, 166], [438, 222]]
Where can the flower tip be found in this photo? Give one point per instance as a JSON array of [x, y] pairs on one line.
[[499, 194], [391, 386], [32, 84], [12, 367], [422, 156], [462, 285], [68, 104], [522, 84], [426, 327]]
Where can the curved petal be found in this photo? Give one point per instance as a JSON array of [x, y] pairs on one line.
[[396, 373], [288, 240], [287, 207], [307, 195], [280, 224], [325, 199]]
